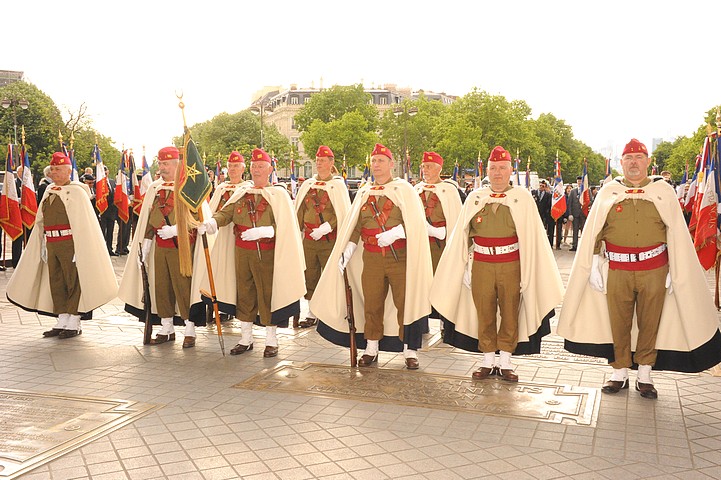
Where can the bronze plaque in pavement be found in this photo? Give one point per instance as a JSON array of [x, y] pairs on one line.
[[544, 402], [36, 428]]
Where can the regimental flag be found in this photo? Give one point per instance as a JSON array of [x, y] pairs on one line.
[[28, 198], [518, 172], [690, 198], [145, 182], [704, 238], [194, 186], [102, 188], [584, 191], [456, 169], [273, 174], [10, 218], [122, 201], [218, 169], [558, 201], [71, 155], [293, 181]]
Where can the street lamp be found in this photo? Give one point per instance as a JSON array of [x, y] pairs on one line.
[[260, 107], [15, 102]]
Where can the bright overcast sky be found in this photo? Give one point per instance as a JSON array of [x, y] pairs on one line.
[[613, 70]]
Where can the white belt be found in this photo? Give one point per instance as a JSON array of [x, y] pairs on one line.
[[503, 249], [58, 233], [636, 257]]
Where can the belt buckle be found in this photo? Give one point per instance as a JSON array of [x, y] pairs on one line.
[[633, 257], [492, 250]]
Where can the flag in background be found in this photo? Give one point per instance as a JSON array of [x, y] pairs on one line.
[[681, 189], [121, 199], [218, 170], [102, 188], [528, 173], [607, 176], [518, 172], [479, 172], [28, 197], [584, 191], [408, 166], [10, 218], [455, 172], [194, 182], [654, 169], [344, 172], [293, 180], [133, 185], [367, 173], [274, 173], [145, 181], [558, 201], [704, 238], [688, 202]]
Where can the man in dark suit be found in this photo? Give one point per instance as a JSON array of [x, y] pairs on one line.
[[107, 218], [544, 209]]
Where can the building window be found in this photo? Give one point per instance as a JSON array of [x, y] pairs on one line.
[[294, 142], [383, 100], [292, 123], [294, 100], [308, 170], [305, 100]]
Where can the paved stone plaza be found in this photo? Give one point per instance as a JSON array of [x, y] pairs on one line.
[[201, 427]]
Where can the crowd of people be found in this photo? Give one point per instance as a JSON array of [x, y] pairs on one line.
[[479, 261]]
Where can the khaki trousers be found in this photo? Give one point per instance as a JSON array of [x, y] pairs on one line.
[[316, 256], [644, 289], [63, 275], [379, 273], [254, 278], [170, 286], [493, 286]]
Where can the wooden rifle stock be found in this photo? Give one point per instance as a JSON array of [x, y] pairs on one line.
[[351, 320], [148, 329]]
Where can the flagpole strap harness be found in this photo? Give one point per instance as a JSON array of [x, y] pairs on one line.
[[429, 206], [313, 199], [368, 235], [166, 203], [636, 258], [58, 233], [496, 250], [254, 214]]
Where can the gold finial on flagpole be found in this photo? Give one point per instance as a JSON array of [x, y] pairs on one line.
[[72, 139], [182, 108], [22, 134]]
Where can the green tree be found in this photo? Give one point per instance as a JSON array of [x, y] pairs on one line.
[[331, 104], [240, 131], [349, 137], [411, 125]]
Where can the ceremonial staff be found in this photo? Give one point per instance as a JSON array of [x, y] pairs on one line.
[[351, 321], [197, 200]]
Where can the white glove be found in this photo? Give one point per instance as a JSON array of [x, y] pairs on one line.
[[467, 272], [256, 233], [323, 229], [669, 287], [596, 278], [389, 236], [145, 248], [345, 256], [44, 250], [437, 232], [570, 218], [168, 231], [209, 226]]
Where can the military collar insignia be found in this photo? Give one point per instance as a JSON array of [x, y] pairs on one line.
[[497, 195], [633, 191]]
